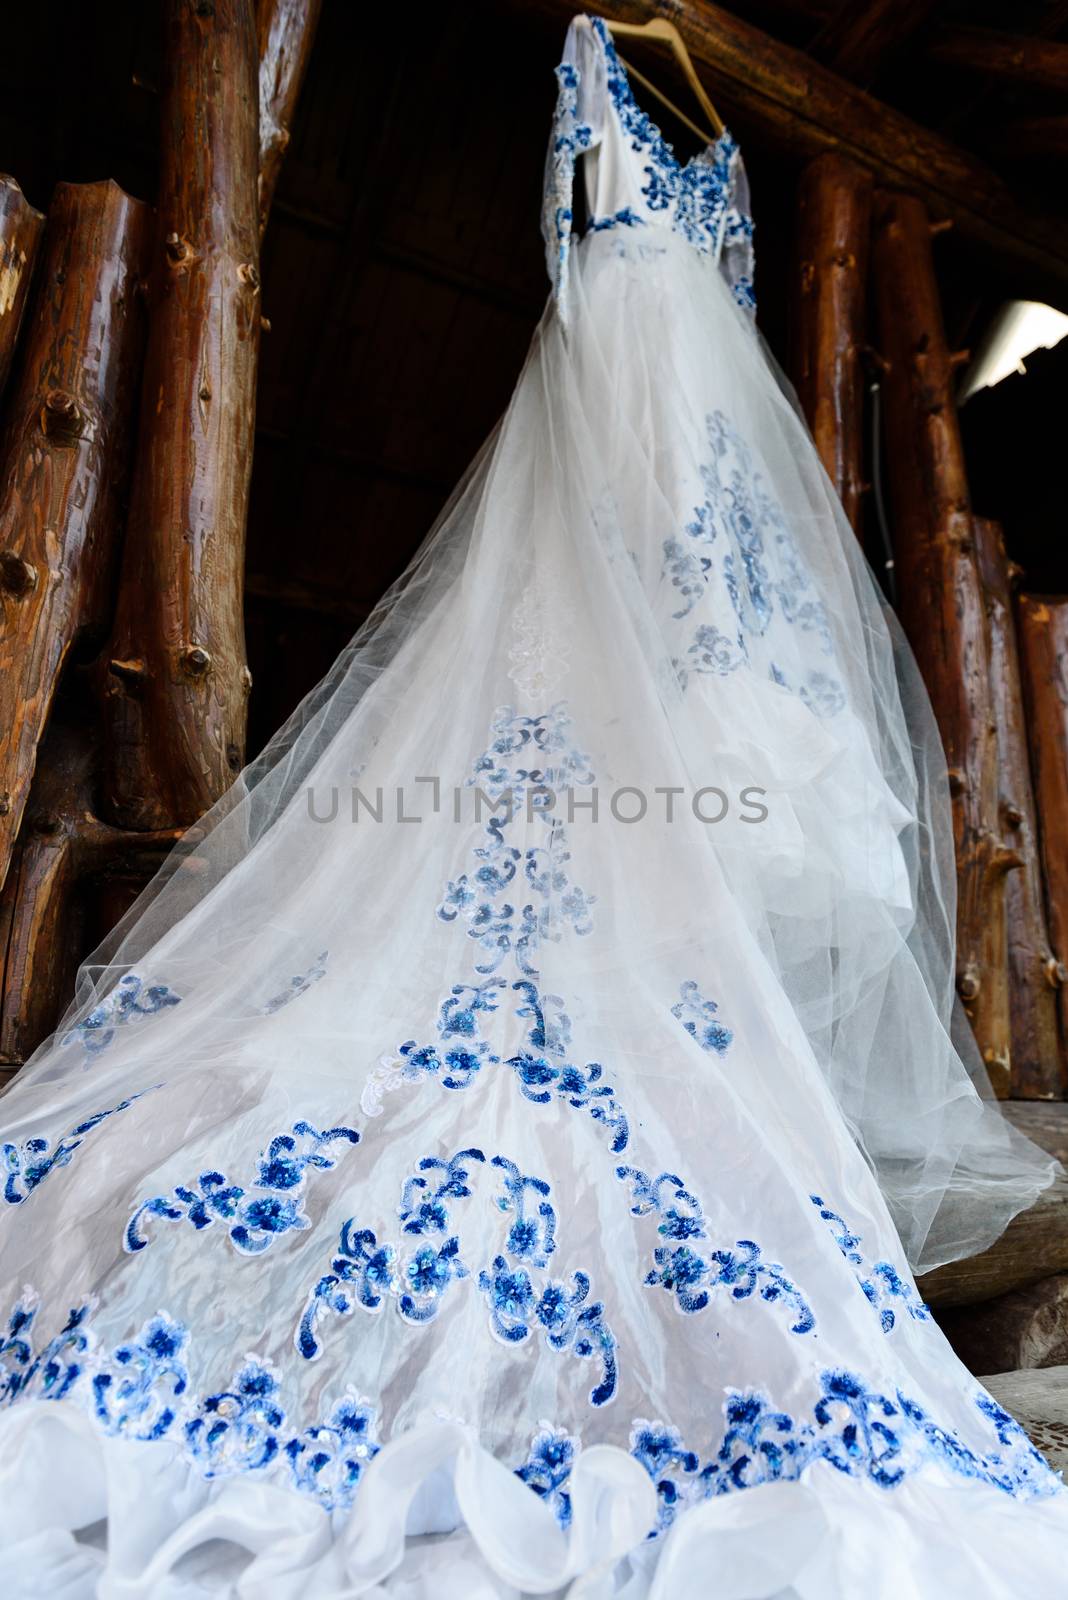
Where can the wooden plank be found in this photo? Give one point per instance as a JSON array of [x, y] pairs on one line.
[[803, 109], [1043, 634], [1024, 1328], [1033, 1246], [286, 31], [176, 681], [834, 215], [67, 442], [859, 40], [1033, 972], [1010, 58], [21, 228], [941, 602]]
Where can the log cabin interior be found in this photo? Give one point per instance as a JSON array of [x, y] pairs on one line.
[[907, 163]]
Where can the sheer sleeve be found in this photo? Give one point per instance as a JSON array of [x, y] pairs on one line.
[[578, 125]]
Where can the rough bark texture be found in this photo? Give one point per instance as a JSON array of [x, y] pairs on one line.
[[861, 39], [803, 109], [1043, 634], [65, 450], [1026, 1328], [1034, 974], [176, 678], [20, 234], [941, 601], [286, 34], [43, 914], [833, 227]]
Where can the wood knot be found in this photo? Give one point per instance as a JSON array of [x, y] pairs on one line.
[[5, 804], [957, 784], [61, 417], [1013, 816], [968, 984], [204, 8], [247, 273], [194, 660], [178, 250], [1055, 972], [17, 577], [246, 679], [233, 758], [265, 325], [46, 824]]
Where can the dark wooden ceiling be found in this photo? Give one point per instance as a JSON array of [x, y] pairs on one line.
[[403, 269]]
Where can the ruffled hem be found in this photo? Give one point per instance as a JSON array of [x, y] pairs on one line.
[[84, 1515]]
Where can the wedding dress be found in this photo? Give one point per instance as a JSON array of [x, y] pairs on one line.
[[490, 1157]]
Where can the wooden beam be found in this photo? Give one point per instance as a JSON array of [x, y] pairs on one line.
[[802, 109], [859, 40], [286, 34], [1024, 1328], [1033, 1246], [175, 680], [67, 443], [21, 228], [1012, 58], [1034, 974], [1043, 634], [834, 214], [941, 601]]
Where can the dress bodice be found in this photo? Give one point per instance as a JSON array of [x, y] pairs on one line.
[[633, 178]]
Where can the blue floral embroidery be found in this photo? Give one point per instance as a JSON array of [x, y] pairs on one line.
[[257, 1219], [693, 1278], [517, 1307], [881, 1282], [698, 1018], [329, 1459], [55, 1369], [131, 998], [298, 984], [501, 928], [627, 217], [541, 1079], [547, 1469], [661, 1452], [28, 1165], [568, 139], [237, 1430], [137, 1393]]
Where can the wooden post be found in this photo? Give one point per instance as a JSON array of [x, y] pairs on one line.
[[65, 451], [833, 227], [20, 234], [941, 599], [1043, 634], [176, 681], [286, 34], [1033, 973], [43, 909]]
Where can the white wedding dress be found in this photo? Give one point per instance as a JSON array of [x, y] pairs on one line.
[[429, 1200]]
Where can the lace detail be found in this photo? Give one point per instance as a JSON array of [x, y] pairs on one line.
[[540, 650]]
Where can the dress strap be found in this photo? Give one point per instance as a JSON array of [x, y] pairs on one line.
[[578, 125]]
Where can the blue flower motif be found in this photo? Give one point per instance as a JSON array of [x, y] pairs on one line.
[[28, 1165], [329, 1459], [257, 1219], [547, 1469], [698, 1017], [137, 1392], [298, 984], [881, 1281], [131, 998]]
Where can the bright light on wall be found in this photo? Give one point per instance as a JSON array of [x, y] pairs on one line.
[[1020, 327]]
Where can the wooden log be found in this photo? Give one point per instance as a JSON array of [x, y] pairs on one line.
[[1034, 975], [1038, 63], [21, 228], [175, 680], [286, 31], [1043, 635], [1033, 1246], [44, 907], [1025, 1328], [69, 426], [859, 40], [802, 109], [834, 213], [941, 604]]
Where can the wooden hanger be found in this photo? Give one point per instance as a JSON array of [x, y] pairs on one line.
[[660, 28]]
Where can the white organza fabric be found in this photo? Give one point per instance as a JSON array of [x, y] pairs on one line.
[[505, 1128]]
